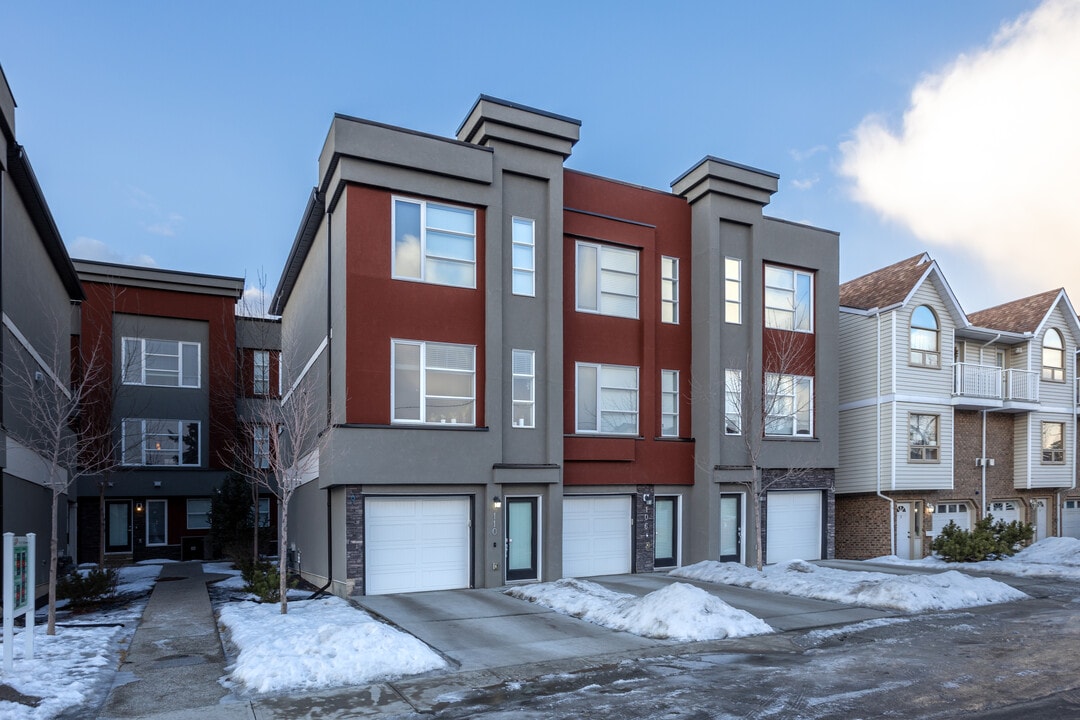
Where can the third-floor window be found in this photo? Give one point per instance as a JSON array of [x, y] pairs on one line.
[[261, 372], [1053, 356], [434, 243], [607, 280], [789, 299], [164, 363]]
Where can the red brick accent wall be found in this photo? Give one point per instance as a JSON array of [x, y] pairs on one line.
[[862, 527]]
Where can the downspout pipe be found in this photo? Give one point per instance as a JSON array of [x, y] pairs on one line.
[[329, 395], [876, 312], [982, 452], [329, 551]]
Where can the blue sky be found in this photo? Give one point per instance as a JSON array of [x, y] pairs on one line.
[[186, 135]]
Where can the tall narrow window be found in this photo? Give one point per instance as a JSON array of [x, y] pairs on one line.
[[923, 438], [1053, 356], [607, 280], [607, 399], [434, 243], [925, 337], [789, 299], [789, 405], [157, 522], [733, 290], [524, 256], [260, 381], [669, 403], [669, 289], [433, 382], [732, 402], [524, 391], [1053, 443], [260, 446]]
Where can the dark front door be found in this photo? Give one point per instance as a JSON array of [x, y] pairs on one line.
[[118, 526], [521, 522], [731, 527]]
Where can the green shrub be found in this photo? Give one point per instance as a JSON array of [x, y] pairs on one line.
[[84, 588], [988, 540], [262, 579]]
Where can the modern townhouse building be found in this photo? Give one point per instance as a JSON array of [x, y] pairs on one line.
[[516, 361], [170, 347], [38, 287], [946, 416]]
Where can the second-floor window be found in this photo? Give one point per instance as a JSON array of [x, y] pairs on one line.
[[1053, 443], [669, 289], [789, 299], [607, 280], [169, 443], [433, 383], [524, 257], [260, 381], [669, 403], [732, 402], [524, 390], [925, 338], [1053, 356], [434, 243], [923, 438], [260, 446], [733, 290], [163, 363], [789, 405], [607, 399]]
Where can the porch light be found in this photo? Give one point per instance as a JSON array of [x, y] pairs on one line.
[[496, 502], [138, 507]]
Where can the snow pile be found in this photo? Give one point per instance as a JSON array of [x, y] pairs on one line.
[[137, 579], [234, 581], [679, 611], [908, 593], [318, 644], [1052, 557]]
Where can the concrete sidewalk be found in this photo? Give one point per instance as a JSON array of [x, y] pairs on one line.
[[175, 661]]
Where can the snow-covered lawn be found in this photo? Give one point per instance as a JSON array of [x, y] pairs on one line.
[[318, 644], [909, 593], [1052, 557], [679, 611]]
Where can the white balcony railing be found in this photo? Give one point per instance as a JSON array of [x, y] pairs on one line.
[[982, 381], [1022, 385]]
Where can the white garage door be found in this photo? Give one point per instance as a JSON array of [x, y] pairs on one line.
[[794, 526], [1070, 519], [596, 536], [1005, 510], [414, 544], [944, 513]]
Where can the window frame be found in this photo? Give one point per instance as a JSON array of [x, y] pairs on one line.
[[206, 513], [771, 310], [928, 453], [516, 270], [423, 370], [530, 402], [424, 256], [1056, 455], [165, 516], [260, 372], [260, 447], [126, 364], [600, 251], [263, 501], [924, 355], [673, 395], [1053, 373], [597, 397], [669, 286], [733, 402], [733, 291], [772, 398], [127, 446]]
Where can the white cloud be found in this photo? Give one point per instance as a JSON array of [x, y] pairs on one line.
[[86, 248], [805, 183], [254, 303], [987, 155], [167, 226], [801, 155]]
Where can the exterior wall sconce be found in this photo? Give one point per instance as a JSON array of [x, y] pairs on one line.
[[496, 502], [138, 507], [646, 498]]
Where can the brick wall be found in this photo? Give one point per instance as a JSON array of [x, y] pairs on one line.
[[644, 554], [862, 527], [354, 539]]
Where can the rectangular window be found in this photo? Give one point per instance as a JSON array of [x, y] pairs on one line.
[[162, 363], [607, 280], [669, 403], [733, 291], [198, 513], [157, 522], [923, 438], [607, 399], [669, 290], [524, 256], [1053, 443], [434, 243], [789, 405], [789, 303], [260, 446], [264, 512], [260, 381], [433, 382], [524, 391], [161, 442], [733, 402]]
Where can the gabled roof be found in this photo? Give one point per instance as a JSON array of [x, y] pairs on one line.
[[886, 287], [1021, 316]]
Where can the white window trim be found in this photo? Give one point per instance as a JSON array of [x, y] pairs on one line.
[[1042, 443], [423, 345], [187, 511], [664, 374], [733, 388], [729, 300], [423, 204], [936, 447], [599, 367], [531, 402], [771, 405], [674, 281], [795, 291], [260, 455], [531, 245], [600, 250], [259, 516], [260, 373], [124, 446], [124, 372], [150, 502]]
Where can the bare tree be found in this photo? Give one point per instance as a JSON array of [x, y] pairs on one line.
[[55, 392]]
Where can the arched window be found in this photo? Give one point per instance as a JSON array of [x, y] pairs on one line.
[[925, 338], [1053, 356]]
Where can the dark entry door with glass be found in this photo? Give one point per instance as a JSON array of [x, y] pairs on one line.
[[731, 527], [521, 526], [118, 526], [667, 531]]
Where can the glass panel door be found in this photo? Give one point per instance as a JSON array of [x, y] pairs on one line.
[[731, 528], [666, 532], [521, 540], [156, 528], [118, 526]]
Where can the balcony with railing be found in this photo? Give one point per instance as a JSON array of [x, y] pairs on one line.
[[979, 387], [1021, 386]]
